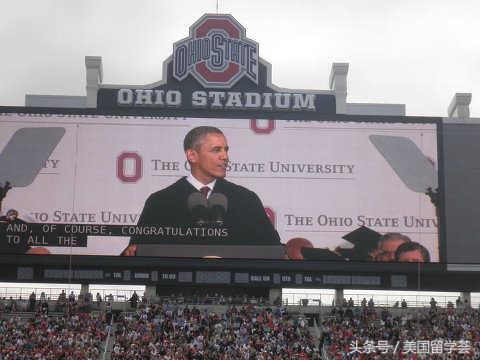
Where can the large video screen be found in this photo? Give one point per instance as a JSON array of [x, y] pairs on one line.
[[279, 189]]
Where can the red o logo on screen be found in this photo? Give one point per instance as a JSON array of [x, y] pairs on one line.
[[271, 215], [129, 167], [262, 126]]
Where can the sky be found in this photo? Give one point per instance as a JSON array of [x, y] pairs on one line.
[[414, 52]]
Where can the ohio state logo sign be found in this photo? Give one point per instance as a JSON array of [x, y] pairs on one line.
[[217, 53]]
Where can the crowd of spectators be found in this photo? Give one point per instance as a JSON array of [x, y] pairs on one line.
[[246, 327], [12, 305], [171, 331], [71, 304], [86, 302], [368, 332], [75, 337]]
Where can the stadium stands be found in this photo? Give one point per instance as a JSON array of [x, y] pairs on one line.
[[401, 333], [184, 332], [218, 327], [79, 336]]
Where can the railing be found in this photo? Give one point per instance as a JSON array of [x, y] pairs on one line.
[[108, 345], [22, 293], [289, 297], [413, 301], [325, 355]]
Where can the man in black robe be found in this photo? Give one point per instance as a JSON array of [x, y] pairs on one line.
[[245, 221]]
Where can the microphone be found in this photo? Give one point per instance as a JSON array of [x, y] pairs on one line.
[[197, 205], [218, 205]]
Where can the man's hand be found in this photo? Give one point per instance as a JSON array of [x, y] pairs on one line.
[[38, 251], [131, 250]]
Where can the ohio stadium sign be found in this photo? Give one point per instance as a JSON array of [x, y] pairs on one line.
[[218, 99], [215, 67]]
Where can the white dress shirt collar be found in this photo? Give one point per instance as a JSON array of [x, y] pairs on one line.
[[198, 185]]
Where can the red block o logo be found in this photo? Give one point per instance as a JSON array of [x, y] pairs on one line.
[[262, 129], [122, 161]]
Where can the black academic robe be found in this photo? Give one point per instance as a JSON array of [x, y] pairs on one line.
[[245, 221]]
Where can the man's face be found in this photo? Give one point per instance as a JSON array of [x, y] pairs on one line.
[[12, 215], [210, 159], [411, 256], [387, 248]]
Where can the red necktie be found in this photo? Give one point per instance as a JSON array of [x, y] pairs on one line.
[[204, 190]]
